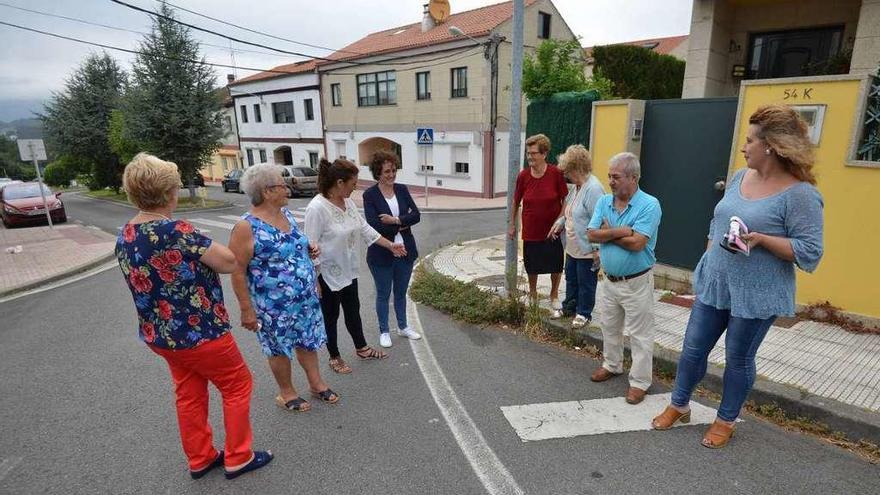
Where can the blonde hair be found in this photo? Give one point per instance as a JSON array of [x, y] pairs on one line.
[[786, 133], [541, 140], [576, 159], [150, 182]]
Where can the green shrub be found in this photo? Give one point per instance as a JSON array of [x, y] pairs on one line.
[[637, 72]]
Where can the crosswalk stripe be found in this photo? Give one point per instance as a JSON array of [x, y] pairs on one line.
[[592, 417], [234, 218], [213, 223]]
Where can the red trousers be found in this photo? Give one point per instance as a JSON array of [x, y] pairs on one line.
[[219, 362]]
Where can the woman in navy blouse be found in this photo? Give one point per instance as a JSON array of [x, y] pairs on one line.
[[389, 208], [171, 270], [776, 200]]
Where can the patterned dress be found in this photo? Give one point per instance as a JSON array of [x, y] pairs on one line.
[[179, 300], [281, 280]]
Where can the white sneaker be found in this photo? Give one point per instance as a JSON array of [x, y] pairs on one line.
[[408, 333], [385, 339], [556, 313], [580, 321]]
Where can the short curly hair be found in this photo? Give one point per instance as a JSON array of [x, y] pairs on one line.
[[576, 159], [542, 141], [150, 182], [377, 161]]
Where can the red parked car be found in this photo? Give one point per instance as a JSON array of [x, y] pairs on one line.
[[22, 204]]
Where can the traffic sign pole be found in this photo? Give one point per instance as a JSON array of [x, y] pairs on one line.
[[40, 183]]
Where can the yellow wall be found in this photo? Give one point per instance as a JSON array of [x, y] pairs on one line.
[[849, 274], [609, 136]]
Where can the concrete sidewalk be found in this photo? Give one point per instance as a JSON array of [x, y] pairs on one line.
[[48, 254], [809, 368]]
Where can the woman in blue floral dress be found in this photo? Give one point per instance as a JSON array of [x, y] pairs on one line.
[[276, 286], [171, 270]]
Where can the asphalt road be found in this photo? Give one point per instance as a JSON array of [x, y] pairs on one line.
[[86, 408]]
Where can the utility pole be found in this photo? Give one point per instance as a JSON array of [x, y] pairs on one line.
[[514, 154]]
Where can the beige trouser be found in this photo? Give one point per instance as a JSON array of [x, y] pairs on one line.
[[629, 304]]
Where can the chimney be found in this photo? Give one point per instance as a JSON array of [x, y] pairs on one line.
[[427, 20], [230, 78]]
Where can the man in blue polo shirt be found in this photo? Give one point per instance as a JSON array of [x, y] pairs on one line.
[[624, 224]]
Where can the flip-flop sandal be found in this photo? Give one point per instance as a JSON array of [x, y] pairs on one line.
[[327, 396], [340, 366], [299, 404], [201, 472], [260, 459], [370, 353]]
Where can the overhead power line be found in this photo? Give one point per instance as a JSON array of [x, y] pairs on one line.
[[201, 62], [197, 28], [90, 23], [221, 21], [138, 52]]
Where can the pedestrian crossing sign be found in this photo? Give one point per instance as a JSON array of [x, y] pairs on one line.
[[425, 135]]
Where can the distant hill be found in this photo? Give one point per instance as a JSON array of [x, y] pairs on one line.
[[23, 128]]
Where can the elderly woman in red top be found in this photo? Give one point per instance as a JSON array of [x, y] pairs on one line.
[[542, 190], [171, 270]]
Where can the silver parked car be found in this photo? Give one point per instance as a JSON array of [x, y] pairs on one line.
[[300, 180]]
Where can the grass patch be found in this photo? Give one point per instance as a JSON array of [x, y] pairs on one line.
[[463, 301], [184, 202]]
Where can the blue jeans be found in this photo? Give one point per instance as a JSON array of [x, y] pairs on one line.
[[394, 276], [580, 286], [744, 335]]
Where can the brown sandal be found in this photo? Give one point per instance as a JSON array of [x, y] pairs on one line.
[[370, 353], [340, 366], [718, 435], [669, 417]]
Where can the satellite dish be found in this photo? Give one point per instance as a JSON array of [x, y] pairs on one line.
[[439, 10]]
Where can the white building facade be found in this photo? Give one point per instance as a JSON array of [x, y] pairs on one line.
[[279, 116]]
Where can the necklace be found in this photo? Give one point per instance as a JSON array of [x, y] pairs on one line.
[[154, 214]]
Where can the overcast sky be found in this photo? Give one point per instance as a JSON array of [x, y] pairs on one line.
[[33, 65]]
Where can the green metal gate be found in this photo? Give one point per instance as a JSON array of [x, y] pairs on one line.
[[685, 153]]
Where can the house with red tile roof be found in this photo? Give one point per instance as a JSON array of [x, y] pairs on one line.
[[677, 46], [278, 115], [377, 91]]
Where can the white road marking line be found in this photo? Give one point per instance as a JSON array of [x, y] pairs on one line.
[[7, 465], [213, 223], [593, 417], [486, 465], [61, 283], [234, 218]]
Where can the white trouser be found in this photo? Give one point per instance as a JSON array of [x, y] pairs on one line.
[[629, 304]]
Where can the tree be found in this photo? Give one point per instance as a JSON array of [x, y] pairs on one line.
[[556, 67], [171, 109], [637, 72], [77, 120], [11, 165]]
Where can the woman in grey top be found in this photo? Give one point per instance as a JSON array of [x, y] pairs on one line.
[[779, 216]]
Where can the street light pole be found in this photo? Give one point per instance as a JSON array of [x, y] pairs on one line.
[[514, 154]]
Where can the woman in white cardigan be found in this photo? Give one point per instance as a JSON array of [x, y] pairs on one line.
[[581, 257], [334, 223]]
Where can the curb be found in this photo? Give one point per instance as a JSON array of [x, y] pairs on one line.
[[854, 422], [463, 210], [60, 276], [178, 210]]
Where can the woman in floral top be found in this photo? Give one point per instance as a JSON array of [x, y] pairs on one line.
[[171, 270], [276, 286]]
